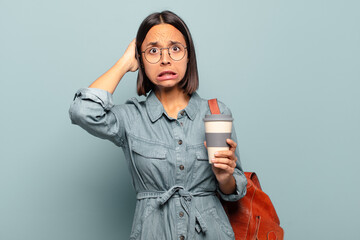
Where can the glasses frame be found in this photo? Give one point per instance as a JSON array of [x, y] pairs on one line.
[[161, 50]]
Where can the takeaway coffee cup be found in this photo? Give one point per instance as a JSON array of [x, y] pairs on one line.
[[217, 130]]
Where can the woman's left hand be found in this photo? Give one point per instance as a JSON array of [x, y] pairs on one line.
[[224, 163]]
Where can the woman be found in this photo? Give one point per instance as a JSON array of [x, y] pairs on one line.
[[163, 136]]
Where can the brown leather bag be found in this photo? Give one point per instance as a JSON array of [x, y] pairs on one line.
[[253, 217]]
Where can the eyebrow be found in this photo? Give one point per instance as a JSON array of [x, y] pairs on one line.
[[157, 43], [152, 44]]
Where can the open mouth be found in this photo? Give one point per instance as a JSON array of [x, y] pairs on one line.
[[166, 73]]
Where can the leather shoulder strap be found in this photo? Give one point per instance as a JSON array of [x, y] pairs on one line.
[[253, 177], [214, 107]]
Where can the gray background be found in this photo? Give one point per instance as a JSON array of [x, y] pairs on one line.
[[289, 70]]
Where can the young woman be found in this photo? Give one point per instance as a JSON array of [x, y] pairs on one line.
[[163, 137]]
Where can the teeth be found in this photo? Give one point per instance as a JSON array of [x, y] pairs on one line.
[[168, 73]]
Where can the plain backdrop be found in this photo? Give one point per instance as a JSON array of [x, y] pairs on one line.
[[288, 70]]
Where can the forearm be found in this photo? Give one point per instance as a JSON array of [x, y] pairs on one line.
[[110, 79]]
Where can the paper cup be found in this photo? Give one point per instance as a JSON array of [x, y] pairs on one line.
[[217, 130]]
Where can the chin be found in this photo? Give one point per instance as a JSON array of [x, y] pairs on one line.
[[167, 84]]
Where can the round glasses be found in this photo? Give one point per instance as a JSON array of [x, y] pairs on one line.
[[176, 52]]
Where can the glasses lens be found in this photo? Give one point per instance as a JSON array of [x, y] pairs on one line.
[[152, 54], [176, 52]]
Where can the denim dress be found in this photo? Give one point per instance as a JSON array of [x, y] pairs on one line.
[[175, 185]]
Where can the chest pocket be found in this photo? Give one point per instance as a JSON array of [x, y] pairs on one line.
[[151, 162], [201, 154], [203, 175], [149, 150]]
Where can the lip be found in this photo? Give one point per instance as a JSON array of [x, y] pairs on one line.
[[167, 75]]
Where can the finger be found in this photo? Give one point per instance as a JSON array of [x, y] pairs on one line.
[[232, 144], [226, 161], [224, 167], [226, 154], [205, 144]]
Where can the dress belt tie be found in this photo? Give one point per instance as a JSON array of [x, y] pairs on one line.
[[186, 203]]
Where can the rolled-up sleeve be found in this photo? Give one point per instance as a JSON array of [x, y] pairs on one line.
[[93, 110], [238, 174]]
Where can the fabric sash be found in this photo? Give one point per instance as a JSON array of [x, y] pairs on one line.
[[185, 199]]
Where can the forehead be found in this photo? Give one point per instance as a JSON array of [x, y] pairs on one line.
[[163, 34]]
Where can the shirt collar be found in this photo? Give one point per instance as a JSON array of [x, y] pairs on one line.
[[155, 108]]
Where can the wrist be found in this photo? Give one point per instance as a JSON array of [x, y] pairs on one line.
[[128, 63], [123, 64], [228, 185]]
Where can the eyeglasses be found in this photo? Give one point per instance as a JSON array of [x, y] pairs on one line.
[[176, 52]]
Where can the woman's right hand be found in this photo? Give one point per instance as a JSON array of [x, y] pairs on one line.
[[111, 78], [130, 58]]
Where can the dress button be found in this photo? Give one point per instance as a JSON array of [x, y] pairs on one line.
[[181, 167], [182, 113], [180, 142], [182, 237], [181, 214], [181, 123]]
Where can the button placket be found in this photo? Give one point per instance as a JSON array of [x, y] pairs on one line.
[[180, 152]]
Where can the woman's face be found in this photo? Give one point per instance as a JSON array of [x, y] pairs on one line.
[[166, 73]]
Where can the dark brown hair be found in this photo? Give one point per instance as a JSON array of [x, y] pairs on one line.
[[190, 82]]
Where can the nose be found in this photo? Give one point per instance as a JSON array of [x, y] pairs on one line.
[[165, 57]]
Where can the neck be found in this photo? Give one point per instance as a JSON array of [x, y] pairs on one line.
[[172, 99]]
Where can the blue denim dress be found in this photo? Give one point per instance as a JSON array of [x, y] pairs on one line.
[[175, 185]]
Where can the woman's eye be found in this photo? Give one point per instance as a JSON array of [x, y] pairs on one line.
[[175, 48], [153, 50]]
